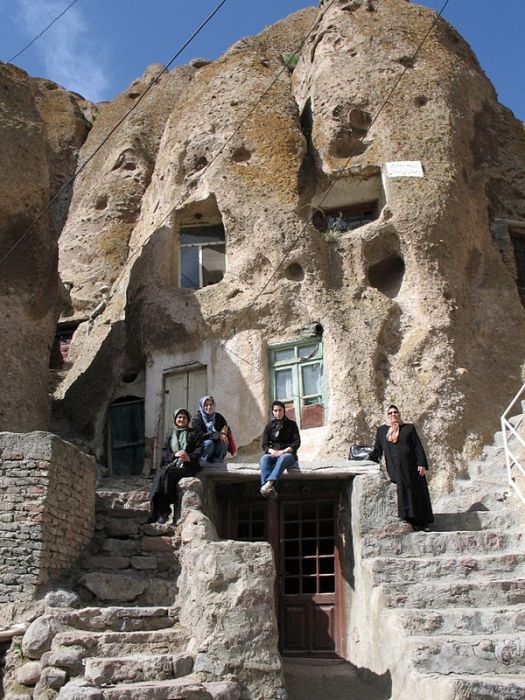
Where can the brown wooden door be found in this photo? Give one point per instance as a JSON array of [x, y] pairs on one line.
[[308, 577], [302, 529]]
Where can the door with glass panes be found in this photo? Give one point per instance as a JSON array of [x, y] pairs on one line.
[[303, 532]]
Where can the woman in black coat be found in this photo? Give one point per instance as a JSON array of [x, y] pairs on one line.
[[407, 465], [214, 430], [180, 458]]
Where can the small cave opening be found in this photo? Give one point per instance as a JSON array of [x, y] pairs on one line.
[[294, 272], [346, 145], [241, 155], [387, 275]]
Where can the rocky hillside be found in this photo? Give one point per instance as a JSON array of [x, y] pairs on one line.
[[418, 304]]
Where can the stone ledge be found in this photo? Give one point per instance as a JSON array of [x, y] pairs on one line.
[[320, 469]]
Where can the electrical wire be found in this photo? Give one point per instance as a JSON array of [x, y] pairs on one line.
[[347, 163], [10, 60], [111, 132], [236, 130], [338, 172]]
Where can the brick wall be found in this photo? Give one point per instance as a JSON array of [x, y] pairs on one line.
[[47, 506]]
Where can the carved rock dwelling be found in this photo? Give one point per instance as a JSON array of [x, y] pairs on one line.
[[263, 226]]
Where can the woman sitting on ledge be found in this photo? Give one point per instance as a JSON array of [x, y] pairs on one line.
[[280, 443], [214, 430], [180, 458]]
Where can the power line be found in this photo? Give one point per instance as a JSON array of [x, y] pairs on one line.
[[342, 170], [10, 60], [236, 130], [112, 131]]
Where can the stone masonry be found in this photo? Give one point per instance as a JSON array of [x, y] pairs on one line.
[[46, 510]]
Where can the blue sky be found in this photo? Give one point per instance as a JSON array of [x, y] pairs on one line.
[[100, 46]]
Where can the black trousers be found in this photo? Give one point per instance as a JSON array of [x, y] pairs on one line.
[[164, 488]]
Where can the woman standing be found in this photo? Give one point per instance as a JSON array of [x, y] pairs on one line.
[[407, 465], [214, 430], [180, 458]]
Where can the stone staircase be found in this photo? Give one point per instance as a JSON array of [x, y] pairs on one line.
[[126, 642], [454, 599], [129, 562]]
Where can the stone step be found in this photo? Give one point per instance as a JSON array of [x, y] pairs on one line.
[[147, 562], [138, 668], [188, 688], [501, 687], [474, 520], [433, 544], [475, 498], [117, 619], [123, 497], [479, 567], [476, 654], [494, 469], [462, 621], [135, 587], [499, 593], [162, 641]]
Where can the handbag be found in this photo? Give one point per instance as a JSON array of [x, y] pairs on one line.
[[232, 447], [360, 452]]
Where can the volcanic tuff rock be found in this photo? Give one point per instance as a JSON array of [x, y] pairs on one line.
[[417, 305], [42, 128]]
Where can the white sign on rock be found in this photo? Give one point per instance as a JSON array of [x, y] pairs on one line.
[[404, 168]]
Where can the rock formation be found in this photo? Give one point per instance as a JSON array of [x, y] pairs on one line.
[[42, 128], [417, 304]]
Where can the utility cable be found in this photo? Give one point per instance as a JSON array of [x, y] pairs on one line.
[[10, 60], [112, 131], [347, 163], [286, 66], [338, 172]]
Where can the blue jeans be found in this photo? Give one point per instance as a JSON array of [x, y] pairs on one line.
[[273, 467], [214, 451]]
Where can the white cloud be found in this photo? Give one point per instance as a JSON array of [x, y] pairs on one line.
[[68, 52]]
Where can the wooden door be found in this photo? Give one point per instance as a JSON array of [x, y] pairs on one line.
[[308, 578], [302, 529], [183, 390], [126, 437]]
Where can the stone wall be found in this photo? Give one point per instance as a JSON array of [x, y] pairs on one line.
[[47, 489], [227, 602]]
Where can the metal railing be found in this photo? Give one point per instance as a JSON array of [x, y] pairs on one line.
[[509, 432]]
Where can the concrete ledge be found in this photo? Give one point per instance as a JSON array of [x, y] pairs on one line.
[[321, 469]]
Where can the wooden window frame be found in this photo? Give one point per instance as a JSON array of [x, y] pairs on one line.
[[296, 365], [320, 215], [200, 247]]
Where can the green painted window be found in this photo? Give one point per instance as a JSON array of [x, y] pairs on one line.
[[296, 371]]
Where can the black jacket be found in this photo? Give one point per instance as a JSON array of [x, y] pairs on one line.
[[198, 424], [193, 448], [288, 436]]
